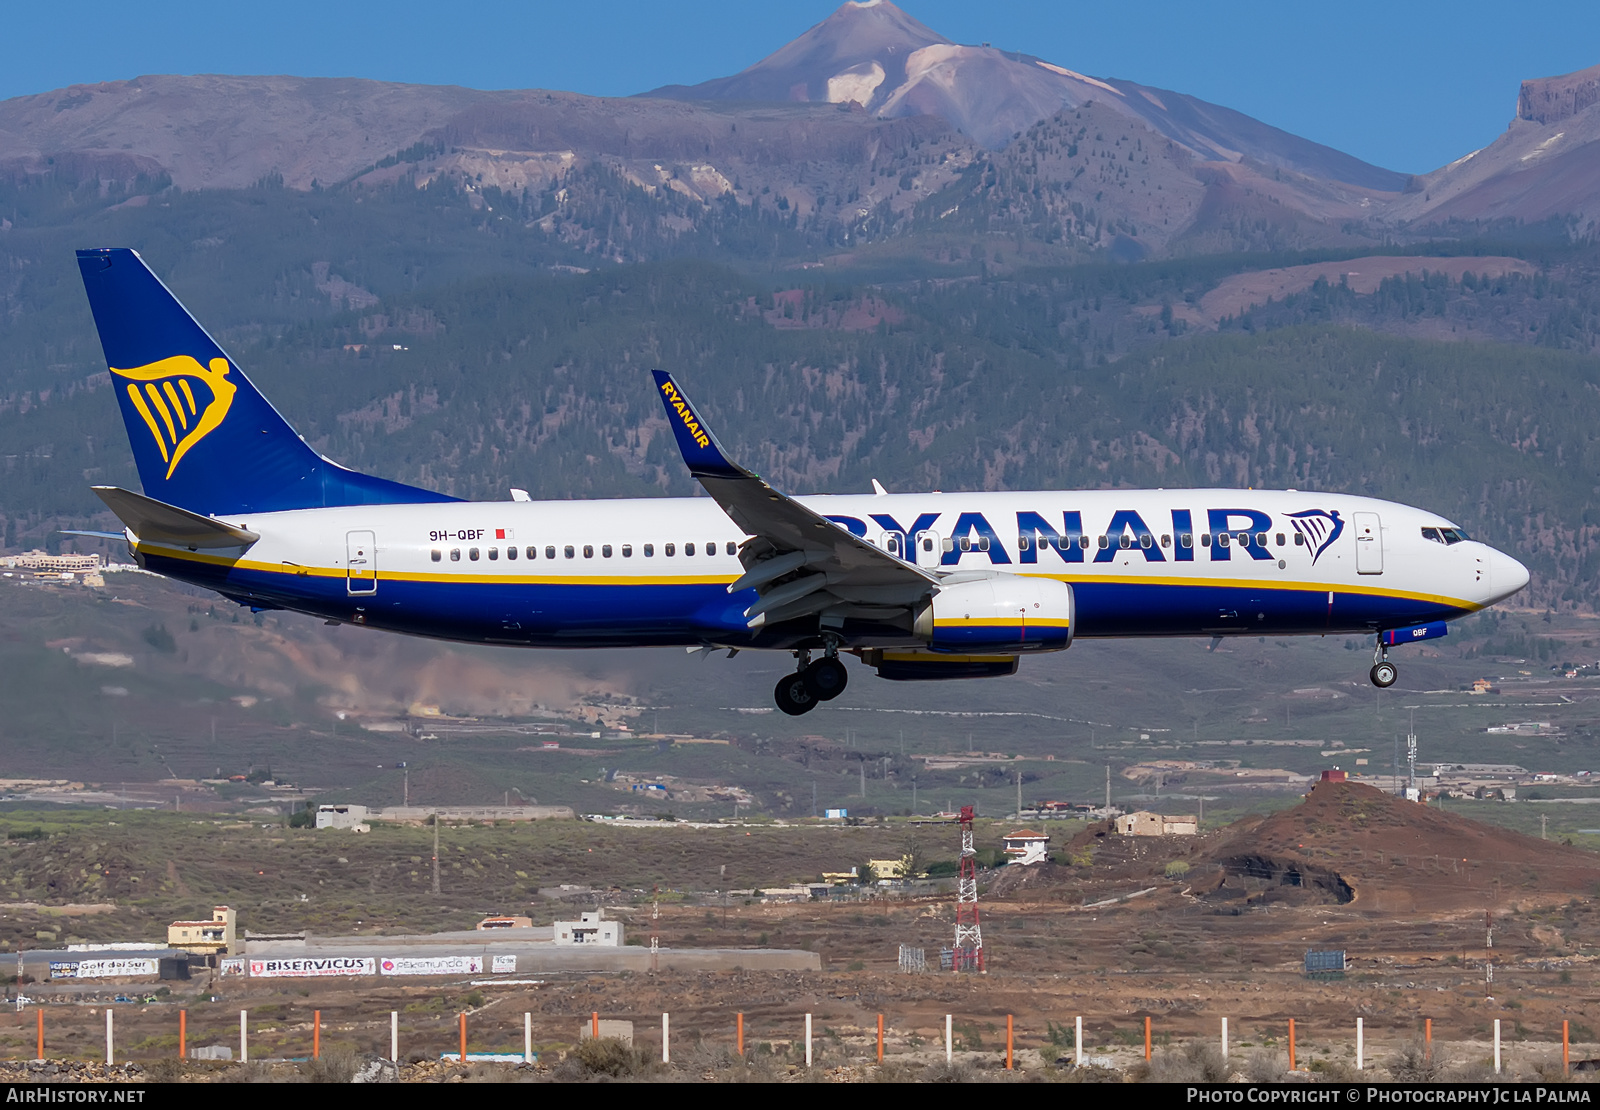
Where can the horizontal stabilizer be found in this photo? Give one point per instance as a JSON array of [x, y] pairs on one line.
[[153, 521], [91, 534]]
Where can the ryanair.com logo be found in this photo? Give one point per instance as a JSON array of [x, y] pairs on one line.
[[180, 401]]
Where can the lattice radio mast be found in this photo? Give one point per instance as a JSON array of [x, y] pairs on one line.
[[969, 934]]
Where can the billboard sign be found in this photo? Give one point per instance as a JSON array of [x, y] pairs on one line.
[[309, 968]]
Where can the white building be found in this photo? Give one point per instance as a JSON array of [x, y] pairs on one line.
[[590, 928], [343, 817]]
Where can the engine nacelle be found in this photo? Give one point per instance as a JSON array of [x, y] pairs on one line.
[[1008, 612]]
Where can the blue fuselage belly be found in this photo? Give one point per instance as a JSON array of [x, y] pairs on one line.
[[554, 614]]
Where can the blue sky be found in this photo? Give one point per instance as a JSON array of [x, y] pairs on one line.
[[1409, 84]]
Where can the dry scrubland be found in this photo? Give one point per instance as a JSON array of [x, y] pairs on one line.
[[1211, 927]]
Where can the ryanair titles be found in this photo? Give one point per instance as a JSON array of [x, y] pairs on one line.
[[1038, 538]]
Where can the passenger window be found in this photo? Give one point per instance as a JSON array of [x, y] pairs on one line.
[[1244, 539], [437, 555], [1205, 539], [966, 543], [472, 553], [1299, 539], [455, 554], [671, 550], [605, 551], [627, 551], [1105, 542], [649, 551], [1222, 539], [1261, 539], [927, 543], [550, 552], [1146, 540], [533, 552], [1023, 543], [1124, 541], [711, 548], [1166, 541], [1186, 540], [1280, 539], [983, 543], [568, 551], [494, 554], [1083, 542], [511, 553], [949, 544], [731, 548], [688, 549], [588, 551]]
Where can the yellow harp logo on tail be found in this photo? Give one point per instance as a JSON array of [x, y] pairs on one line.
[[177, 413]]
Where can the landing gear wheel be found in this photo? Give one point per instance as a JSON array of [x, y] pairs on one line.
[[826, 678], [793, 695], [1383, 674]]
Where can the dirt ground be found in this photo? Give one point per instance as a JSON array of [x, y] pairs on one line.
[[1184, 931]]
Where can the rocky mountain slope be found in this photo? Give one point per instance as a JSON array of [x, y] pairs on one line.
[[1546, 165], [872, 53]]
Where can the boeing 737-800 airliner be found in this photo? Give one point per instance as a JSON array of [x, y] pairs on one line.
[[916, 586]]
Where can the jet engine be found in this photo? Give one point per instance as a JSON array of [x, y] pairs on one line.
[[1005, 612]]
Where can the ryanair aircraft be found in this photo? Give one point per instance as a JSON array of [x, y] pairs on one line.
[[916, 586]]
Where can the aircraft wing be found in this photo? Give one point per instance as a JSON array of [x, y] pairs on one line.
[[800, 562]]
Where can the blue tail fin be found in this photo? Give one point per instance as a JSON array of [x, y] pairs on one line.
[[203, 437]]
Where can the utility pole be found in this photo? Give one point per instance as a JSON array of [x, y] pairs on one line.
[[1019, 795], [813, 797], [436, 851], [1544, 831], [863, 766], [655, 935], [913, 793], [406, 796], [1108, 786]]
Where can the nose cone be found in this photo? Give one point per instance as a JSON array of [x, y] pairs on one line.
[[1506, 576]]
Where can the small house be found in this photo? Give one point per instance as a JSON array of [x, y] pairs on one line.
[[205, 938], [589, 929], [1025, 846]]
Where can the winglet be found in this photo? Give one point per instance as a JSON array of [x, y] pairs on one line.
[[701, 451]]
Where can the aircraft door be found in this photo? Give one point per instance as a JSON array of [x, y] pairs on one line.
[[930, 549], [1369, 543], [894, 543], [361, 563]]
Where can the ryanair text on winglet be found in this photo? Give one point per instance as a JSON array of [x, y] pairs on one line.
[[675, 399]]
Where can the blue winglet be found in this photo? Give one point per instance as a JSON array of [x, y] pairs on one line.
[[701, 451]]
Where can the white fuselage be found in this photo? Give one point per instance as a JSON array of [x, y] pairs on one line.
[[655, 571]]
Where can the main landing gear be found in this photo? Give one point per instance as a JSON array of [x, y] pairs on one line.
[[1383, 672], [821, 681]]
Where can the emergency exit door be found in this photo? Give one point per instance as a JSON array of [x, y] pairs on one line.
[[1369, 543], [361, 563]]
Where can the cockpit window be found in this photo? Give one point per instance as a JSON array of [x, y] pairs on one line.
[[1446, 536], [1432, 534]]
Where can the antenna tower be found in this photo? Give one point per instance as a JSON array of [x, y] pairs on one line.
[[969, 935], [1411, 760]]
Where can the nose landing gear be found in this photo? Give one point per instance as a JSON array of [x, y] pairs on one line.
[[1383, 673], [812, 683]]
